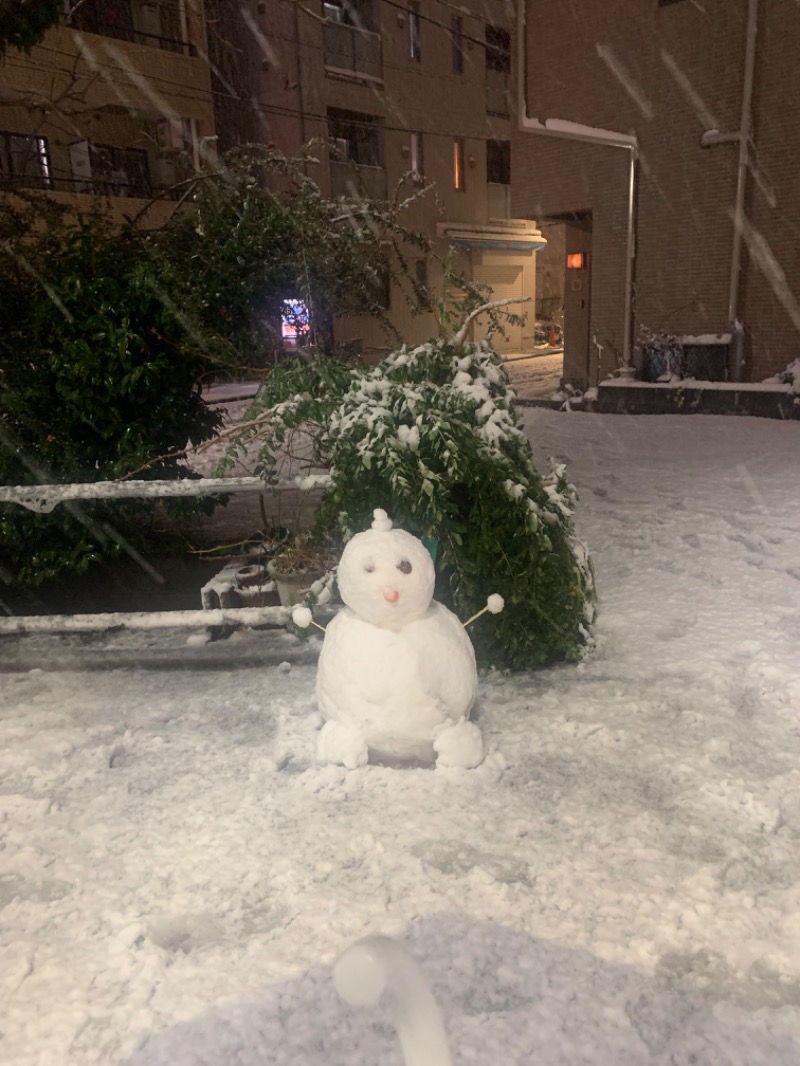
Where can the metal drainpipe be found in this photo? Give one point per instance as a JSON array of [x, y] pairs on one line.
[[574, 131], [745, 129], [299, 76], [183, 23]]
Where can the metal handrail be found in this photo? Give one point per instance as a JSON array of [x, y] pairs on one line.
[[43, 498]]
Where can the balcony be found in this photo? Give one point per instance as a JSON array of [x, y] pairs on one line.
[[353, 181], [351, 51], [138, 23]]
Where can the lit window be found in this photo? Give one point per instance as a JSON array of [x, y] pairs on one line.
[[457, 38], [458, 164], [294, 323], [25, 159], [413, 31]]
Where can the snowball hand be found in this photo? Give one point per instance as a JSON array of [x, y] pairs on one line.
[[301, 616], [494, 604]]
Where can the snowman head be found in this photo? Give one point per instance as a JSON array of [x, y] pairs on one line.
[[385, 575]]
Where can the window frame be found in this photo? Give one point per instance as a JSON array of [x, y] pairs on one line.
[[417, 150], [457, 42], [459, 165], [498, 161], [414, 32], [30, 148]]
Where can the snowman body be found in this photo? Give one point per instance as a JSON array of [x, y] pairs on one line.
[[396, 668]]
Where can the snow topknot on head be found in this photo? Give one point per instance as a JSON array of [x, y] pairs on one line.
[[381, 521]]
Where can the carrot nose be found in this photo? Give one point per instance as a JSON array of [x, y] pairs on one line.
[[392, 595]]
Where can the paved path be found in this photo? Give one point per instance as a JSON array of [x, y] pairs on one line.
[[535, 375]]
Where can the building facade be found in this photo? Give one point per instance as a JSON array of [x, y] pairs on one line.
[[127, 98], [113, 105], [390, 89], [662, 135]]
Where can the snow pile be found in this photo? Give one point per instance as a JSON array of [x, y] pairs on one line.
[[618, 882], [789, 376]]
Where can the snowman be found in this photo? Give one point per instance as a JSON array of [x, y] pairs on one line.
[[396, 679]]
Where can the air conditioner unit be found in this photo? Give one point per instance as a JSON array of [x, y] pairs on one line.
[[165, 173], [81, 165], [174, 134]]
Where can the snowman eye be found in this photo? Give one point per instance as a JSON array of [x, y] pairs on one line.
[[404, 566], [369, 568]]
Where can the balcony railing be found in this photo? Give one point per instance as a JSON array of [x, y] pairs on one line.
[[357, 181], [104, 187], [351, 50], [498, 92], [42, 499], [110, 23], [498, 200]]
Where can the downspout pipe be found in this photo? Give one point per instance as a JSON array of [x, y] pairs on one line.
[[576, 131], [744, 137]]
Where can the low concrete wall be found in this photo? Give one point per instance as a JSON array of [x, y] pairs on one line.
[[696, 397]]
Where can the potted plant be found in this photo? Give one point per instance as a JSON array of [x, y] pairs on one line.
[[662, 356], [295, 568]]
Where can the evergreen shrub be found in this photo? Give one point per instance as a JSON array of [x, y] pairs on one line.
[[430, 435]]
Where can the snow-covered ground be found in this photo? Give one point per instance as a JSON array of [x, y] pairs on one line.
[[536, 377], [618, 884]]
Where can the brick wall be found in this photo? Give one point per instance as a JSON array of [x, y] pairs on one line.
[[669, 74]]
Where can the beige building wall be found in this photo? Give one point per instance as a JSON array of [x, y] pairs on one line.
[[150, 94], [296, 83], [668, 73]]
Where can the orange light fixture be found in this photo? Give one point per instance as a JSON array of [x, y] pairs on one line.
[[575, 261]]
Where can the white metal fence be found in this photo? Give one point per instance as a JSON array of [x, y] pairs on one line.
[[45, 498]]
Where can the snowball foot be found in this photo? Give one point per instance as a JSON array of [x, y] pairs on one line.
[[341, 745], [459, 744]]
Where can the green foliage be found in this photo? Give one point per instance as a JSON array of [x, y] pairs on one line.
[[106, 333], [430, 435], [97, 377], [260, 231], [23, 23]]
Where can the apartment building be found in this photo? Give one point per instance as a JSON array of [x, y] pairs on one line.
[[114, 104], [390, 88], [663, 138]]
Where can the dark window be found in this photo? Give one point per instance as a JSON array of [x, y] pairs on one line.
[[498, 162], [378, 291], [356, 137], [356, 158], [24, 159], [414, 46], [498, 70], [333, 11], [350, 12], [457, 38], [110, 18], [119, 171], [417, 157], [421, 288], [498, 49], [349, 42]]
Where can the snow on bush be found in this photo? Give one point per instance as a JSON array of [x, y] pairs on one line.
[[430, 435], [789, 376]]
